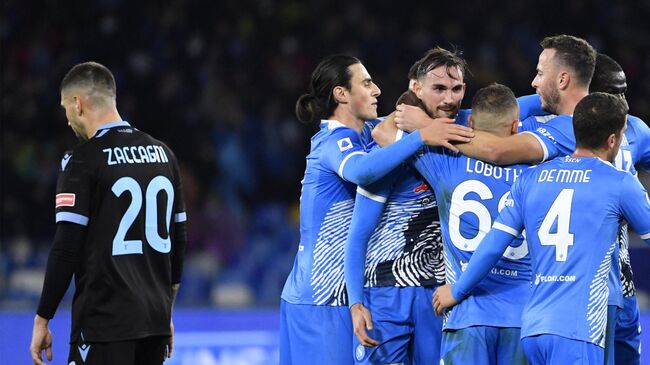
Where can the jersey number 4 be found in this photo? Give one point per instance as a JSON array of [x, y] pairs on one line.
[[122, 246], [560, 212]]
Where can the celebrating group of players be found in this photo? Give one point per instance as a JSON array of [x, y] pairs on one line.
[[519, 205]]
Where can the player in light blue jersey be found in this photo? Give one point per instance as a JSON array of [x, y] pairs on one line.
[[485, 328], [400, 251], [635, 151], [571, 208], [315, 323]]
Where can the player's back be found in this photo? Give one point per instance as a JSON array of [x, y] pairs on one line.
[[125, 186], [470, 194], [571, 210]]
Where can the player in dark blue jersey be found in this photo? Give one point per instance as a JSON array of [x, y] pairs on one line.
[[400, 251], [571, 208], [120, 231], [315, 322], [635, 152]]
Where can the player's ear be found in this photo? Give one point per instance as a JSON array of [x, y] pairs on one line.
[[563, 80], [340, 94], [470, 121], [417, 89], [78, 105], [611, 141], [514, 128]]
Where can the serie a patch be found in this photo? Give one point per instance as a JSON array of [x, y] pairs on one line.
[[65, 200]]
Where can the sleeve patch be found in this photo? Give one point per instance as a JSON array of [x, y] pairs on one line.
[[65, 200], [344, 144]]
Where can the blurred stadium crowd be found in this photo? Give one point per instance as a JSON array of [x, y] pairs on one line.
[[217, 81]]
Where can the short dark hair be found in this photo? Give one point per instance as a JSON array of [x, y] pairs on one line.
[[597, 116], [607, 76], [319, 103], [494, 98], [93, 76], [575, 53], [435, 58]]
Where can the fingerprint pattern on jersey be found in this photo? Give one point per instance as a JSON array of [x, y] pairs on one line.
[[327, 277], [406, 248], [624, 265], [598, 295]]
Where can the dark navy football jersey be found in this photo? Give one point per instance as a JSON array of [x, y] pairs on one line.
[[125, 187]]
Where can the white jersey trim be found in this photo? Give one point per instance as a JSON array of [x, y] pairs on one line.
[[544, 149], [369, 195], [645, 236], [506, 229], [399, 135], [346, 160]]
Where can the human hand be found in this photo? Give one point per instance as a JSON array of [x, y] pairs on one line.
[[362, 320], [409, 118], [443, 131], [442, 299], [41, 340]]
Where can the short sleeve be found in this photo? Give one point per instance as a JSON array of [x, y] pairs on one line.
[[635, 205], [340, 145]]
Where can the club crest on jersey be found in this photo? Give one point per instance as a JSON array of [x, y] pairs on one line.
[[421, 187], [65, 200], [360, 352], [344, 144]]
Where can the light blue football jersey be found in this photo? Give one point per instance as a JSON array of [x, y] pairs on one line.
[[470, 194], [572, 215], [326, 205]]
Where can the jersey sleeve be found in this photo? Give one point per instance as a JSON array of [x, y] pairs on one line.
[[511, 219], [530, 105], [73, 189], [635, 206], [339, 147], [643, 137], [368, 208], [556, 137]]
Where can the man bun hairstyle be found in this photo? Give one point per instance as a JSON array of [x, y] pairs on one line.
[[319, 103]]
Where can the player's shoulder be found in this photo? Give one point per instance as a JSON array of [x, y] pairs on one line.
[[637, 124]]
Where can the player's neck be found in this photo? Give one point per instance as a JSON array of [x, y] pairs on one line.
[[101, 119], [570, 100], [585, 152], [348, 119]]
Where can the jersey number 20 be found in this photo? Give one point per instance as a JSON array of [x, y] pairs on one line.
[[122, 246]]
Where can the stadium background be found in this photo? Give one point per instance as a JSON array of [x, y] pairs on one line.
[[217, 81]]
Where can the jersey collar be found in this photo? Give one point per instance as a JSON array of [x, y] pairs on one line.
[[119, 123]]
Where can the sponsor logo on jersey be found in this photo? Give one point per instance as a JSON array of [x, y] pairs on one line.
[[65, 200], [421, 187], [504, 272], [344, 144], [539, 278], [65, 160]]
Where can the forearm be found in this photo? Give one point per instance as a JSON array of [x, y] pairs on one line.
[[366, 216], [368, 168], [483, 259], [498, 150], [62, 263], [178, 252]]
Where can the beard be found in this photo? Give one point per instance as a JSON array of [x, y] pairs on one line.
[[551, 101]]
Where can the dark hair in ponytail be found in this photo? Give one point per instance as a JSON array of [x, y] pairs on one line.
[[319, 102]]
